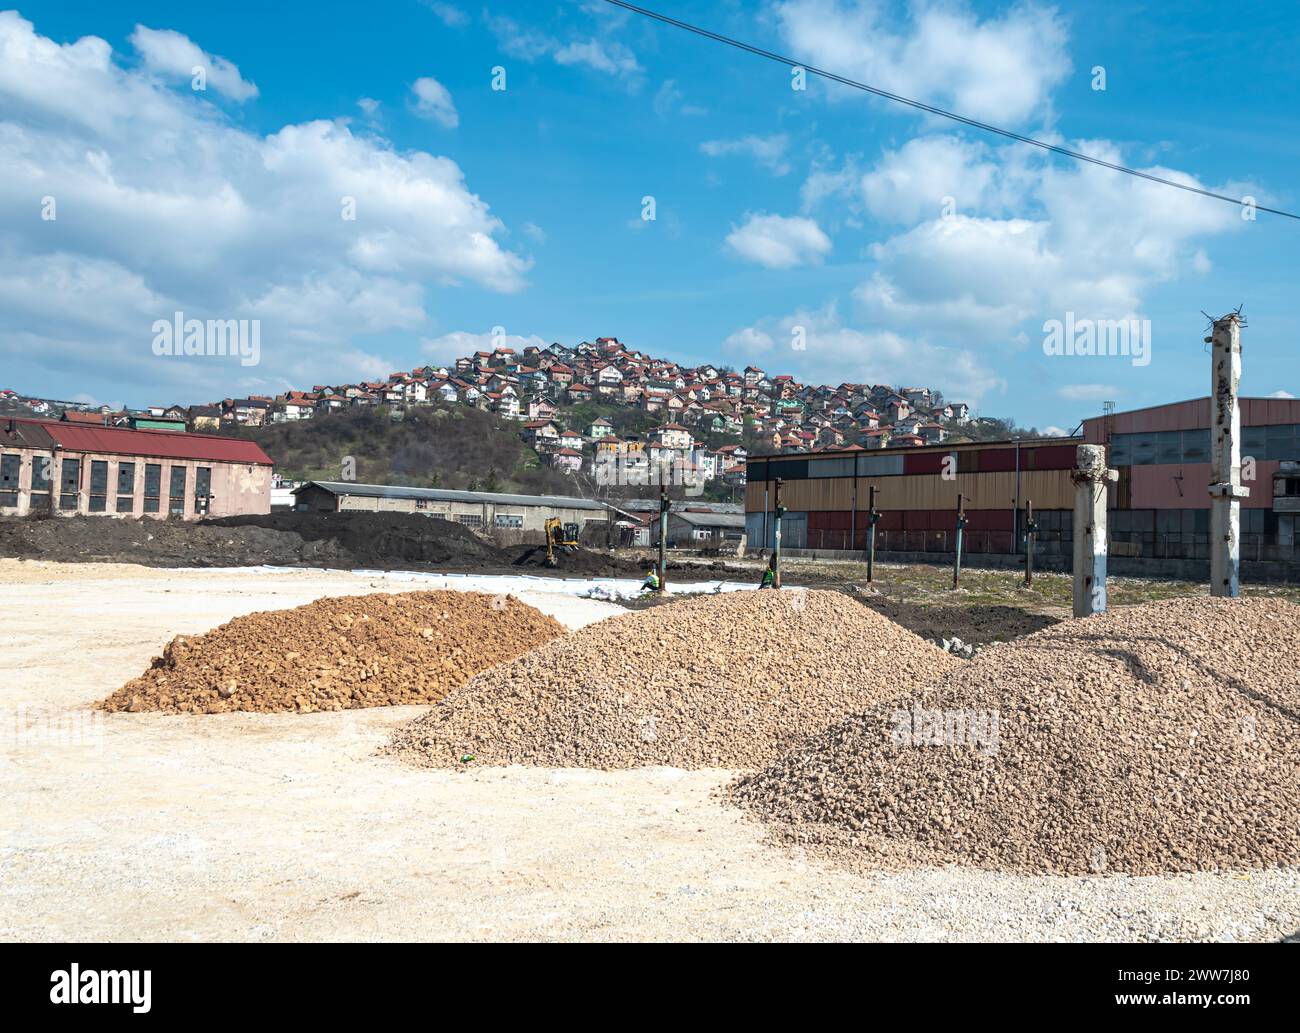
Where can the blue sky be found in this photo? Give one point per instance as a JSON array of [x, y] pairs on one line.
[[905, 248]]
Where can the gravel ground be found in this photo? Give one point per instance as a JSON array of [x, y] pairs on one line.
[[710, 681], [373, 650], [289, 827], [1157, 738]]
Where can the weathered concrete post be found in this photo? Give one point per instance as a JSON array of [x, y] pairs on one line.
[[1091, 478], [1226, 491]]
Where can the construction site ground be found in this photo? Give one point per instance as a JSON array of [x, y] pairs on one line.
[[245, 826]]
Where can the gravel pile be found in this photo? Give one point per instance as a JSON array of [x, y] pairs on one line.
[[1152, 739], [713, 681], [339, 653]]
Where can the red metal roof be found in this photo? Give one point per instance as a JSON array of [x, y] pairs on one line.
[[164, 444]]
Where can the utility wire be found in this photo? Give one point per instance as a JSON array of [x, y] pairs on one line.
[[931, 109]]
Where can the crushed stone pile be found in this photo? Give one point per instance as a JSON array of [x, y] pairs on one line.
[[1152, 739], [713, 681], [339, 653]]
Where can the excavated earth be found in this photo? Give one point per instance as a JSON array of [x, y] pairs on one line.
[[1153, 739], [339, 653], [713, 681]]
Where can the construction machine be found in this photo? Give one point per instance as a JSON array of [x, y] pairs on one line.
[[560, 537]]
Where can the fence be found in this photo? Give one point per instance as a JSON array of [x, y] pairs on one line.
[[1170, 545]]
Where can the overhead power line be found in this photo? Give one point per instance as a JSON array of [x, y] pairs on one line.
[[932, 110]]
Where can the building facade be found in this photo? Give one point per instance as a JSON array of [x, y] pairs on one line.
[[477, 510], [827, 495], [71, 468], [1160, 505]]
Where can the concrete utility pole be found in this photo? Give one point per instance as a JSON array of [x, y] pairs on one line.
[[1226, 491], [961, 527], [873, 518], [1091, 479], [1031, 529], [776, 551], [664, 505]]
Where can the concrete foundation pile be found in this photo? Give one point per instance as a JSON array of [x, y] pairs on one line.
[[339, 653], [714, 681], [1159, 738]]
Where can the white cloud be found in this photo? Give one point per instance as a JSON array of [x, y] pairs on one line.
[[444, 350], [926, 174], [834, 351], [1083, 240], [1052, 430], [748, 341], [433, 101], [173, 55], [165, 206], [1280, 394], [516, 41], [768, 151], [449, 14], [611, 58], [608, 57], [997, 69], [669, 99], [1088, 392], [778, 241]]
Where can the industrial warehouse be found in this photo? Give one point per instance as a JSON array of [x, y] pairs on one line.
[[477, 510], [73, 468], [1158, 505]]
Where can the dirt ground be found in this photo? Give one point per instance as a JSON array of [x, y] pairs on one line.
[[290, 827]]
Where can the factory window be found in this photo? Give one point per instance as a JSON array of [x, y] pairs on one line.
[[831, 467], [469, 519], [509, 520], [176, 494], [152, 486], [202, 489], [69, 483], [10, 466], [1277, 442], [125, 487], [42, 475], [421, 503], [98, 486]]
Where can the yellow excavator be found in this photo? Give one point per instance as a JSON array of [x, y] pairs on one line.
[[560, 537]]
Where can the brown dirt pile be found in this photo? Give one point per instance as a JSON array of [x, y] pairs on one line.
[[1158, 738], [339, 653], [712, 681]]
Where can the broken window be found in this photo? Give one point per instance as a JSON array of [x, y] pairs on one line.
[[202, 489], [69, 483], [176, 494], [11, 465], [125, 487], [152, 486], [98, 486]]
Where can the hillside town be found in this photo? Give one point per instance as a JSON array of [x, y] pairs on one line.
[[600, 408]]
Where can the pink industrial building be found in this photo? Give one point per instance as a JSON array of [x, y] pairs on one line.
[[74, 468], [1161, 500]]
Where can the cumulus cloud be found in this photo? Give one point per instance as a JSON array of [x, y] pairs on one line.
[[163, 206], [834, 351], [768, 151], [778, 241], [1089, 241], [445, 349], [996, 69], [175, 56], [433, 101]]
